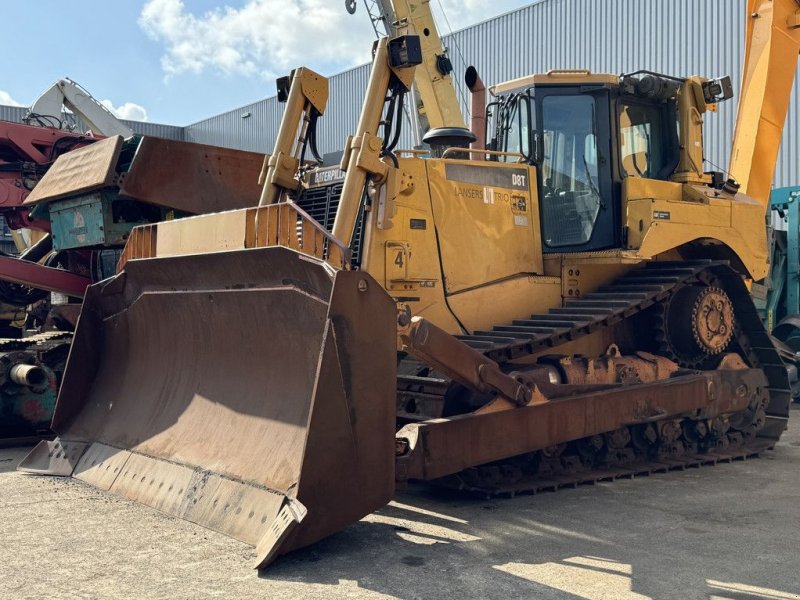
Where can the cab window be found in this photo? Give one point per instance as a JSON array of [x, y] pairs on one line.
[[518, 130], [645, 147]]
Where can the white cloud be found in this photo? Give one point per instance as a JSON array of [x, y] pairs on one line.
[[7, 100], [127, 110], [263, 37], [270, 37]]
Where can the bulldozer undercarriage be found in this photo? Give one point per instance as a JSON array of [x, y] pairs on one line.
[[687, 311]]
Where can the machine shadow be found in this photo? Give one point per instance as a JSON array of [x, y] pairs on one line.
[[430, 543]]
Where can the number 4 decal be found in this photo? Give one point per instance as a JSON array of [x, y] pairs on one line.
[[398, 259]]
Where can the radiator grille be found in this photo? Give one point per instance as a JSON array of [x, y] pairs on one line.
[[321, 204]]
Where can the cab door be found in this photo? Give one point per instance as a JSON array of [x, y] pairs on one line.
[[578, 211]]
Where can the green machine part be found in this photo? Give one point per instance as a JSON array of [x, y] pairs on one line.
[[102, 218], [28, 390], [780, 296]]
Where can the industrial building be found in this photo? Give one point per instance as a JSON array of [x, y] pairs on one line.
[[682, 37]]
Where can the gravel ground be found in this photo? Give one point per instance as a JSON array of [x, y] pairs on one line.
[[729, 531]]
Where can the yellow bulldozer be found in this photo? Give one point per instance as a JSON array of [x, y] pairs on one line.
[[567, 304]]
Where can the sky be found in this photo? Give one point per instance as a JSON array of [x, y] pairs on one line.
[[178, 62]]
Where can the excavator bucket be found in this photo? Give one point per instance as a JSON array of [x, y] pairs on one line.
[[256, 399]]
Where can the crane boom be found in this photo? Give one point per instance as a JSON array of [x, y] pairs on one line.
[[440, 104], [772, 46], [69, 94]]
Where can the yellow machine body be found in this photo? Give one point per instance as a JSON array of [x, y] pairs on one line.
[[464, 248]]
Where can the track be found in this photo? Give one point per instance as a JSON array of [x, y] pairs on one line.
[[482, 482], [636, 451]]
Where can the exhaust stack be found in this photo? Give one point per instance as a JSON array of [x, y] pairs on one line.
[[477, 108]]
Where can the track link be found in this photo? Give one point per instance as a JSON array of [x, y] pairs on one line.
[[642, 467]]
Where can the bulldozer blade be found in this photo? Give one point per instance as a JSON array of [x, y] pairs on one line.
[[249, 391]]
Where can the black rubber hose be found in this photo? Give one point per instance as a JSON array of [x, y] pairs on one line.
[[397, 119], [312, 136]]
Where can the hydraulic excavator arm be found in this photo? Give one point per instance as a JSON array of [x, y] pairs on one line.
[[393, 72], [438, 114], [66, 93], [770, 65]]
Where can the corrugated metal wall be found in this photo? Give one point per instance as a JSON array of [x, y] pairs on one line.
[[172, 132], [678, 37], [12, 113], [251, 127], [255, 126]]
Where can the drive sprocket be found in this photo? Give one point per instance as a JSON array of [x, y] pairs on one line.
[[695, 324]]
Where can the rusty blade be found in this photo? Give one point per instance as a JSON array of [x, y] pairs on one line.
[[193, 178], [256, 400]]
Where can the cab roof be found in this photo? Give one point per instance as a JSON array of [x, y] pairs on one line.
[[555, 77]]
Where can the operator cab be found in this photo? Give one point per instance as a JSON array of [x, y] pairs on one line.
[[586, 133]]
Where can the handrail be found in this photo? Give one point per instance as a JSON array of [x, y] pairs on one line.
[[567, 72], [412, 151], [458, 150], [286, 224]]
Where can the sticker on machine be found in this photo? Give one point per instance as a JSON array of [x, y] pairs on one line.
[[661, 214], [521, 220], [489, 176]]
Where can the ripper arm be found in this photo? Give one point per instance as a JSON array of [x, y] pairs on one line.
[[306, 94]]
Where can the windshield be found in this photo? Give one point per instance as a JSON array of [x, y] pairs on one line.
[[571, 200]]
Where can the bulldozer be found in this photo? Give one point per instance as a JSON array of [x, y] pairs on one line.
[[566, 304]]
